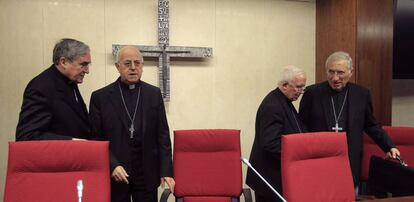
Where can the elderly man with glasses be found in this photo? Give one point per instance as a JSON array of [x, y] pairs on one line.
[[341, 106], [53, 108], [275, 117], [130, 114]]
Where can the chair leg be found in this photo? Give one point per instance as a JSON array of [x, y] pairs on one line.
[[179, 200], [165, 194], [247, 193], [235, 199]]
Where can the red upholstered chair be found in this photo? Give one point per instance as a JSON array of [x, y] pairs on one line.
[[207, 166], [403, 138], [48, 171], [315, 167]]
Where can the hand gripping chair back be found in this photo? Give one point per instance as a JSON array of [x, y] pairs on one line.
[[48, 171], [207, 165], [315, 167], [403, 138]]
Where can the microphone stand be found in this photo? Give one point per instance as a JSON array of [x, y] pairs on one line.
[[79, 187], [245, 161]]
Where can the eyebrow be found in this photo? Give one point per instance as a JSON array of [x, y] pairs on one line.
[[133, 60], [85, 63]]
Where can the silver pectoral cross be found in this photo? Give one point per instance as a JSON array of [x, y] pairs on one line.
[[336, 128], [131, 131]]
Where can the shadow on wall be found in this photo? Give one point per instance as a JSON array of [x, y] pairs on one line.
[[402, 87]]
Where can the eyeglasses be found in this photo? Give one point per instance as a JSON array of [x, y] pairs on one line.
[[298, 88], [85, 65], [130, 63], [332, 73]]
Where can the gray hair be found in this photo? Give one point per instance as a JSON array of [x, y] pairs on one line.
[[69, 49], [289, 73], [118, 54], [338, 56]]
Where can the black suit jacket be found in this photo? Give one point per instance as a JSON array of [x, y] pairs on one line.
[[107, 115], [314, 113], [274, 118], [50, 111]]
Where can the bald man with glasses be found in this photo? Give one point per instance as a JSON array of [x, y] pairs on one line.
[[130, 114]]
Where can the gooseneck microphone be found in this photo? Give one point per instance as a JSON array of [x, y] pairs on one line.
[[245, 161], [79, 187]]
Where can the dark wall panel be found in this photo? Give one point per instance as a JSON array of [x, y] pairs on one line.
[[364, 29]]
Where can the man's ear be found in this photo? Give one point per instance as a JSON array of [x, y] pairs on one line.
[[117, 66], [283, 86], [63, 62]]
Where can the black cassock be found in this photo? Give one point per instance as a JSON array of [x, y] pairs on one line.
[[147, 156], [317, 114], [275, 117]]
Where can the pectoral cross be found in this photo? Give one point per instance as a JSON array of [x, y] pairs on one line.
[[131, 131], [336, 128]]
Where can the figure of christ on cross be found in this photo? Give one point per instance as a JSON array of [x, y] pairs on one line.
[[164, 52]]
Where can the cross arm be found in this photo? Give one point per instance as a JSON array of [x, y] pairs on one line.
[[172, 51]]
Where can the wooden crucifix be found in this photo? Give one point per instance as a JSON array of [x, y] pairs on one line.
[[164, 52]]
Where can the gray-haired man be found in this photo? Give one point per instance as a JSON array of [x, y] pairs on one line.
[[275, 117], [339, 105], [53, 108]]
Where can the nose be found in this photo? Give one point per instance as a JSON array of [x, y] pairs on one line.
[[133, 66], [335, 77]]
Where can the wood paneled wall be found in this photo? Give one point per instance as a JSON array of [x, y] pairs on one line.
[[364, 29]]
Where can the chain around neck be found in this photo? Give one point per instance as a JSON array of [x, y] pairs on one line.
[[136, 104], [340, 112]]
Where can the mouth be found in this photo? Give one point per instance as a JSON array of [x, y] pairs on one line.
[[337, 83]]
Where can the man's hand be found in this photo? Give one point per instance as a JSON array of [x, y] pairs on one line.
[[393, 153], [170, 182], [120, 175]]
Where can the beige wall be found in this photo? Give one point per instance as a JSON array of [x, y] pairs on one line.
[[403, 103], [251, 41]]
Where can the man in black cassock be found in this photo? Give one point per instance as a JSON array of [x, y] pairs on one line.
[[130, 114], [339, 105], [53, 108], [275, 117]]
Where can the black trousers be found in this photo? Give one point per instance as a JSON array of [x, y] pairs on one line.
[[135, 191]]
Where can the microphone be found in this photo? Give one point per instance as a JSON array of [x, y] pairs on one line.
[[245, 161], [79, 187]]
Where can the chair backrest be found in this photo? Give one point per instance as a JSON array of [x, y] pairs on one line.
[[403, 138], [315, 167], [207, 164], [48, 171]]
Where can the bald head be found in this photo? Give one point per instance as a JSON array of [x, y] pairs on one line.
[[128, 50], [129, 62]]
